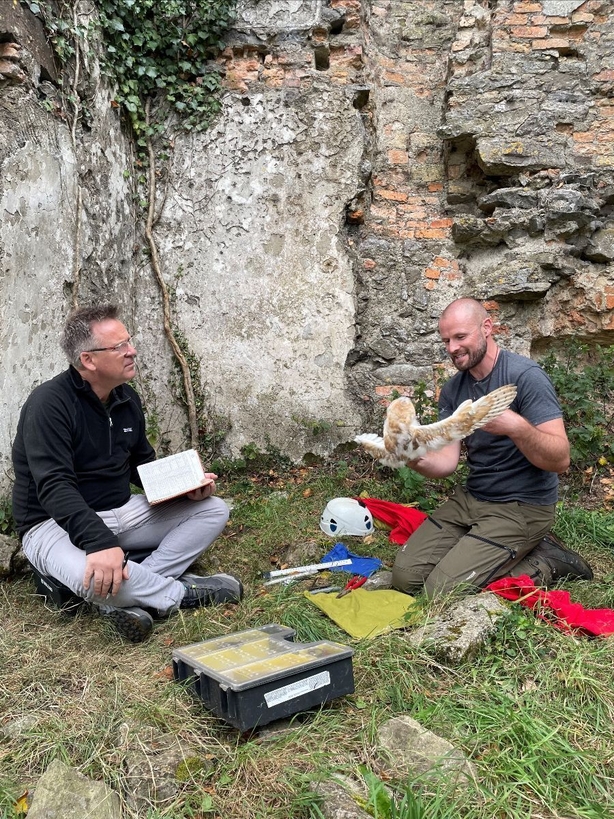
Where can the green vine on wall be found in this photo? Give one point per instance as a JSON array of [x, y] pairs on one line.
[[159, 55], [161, 50], [157, 50]]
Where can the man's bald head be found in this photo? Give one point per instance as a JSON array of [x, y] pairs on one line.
[[466, 309]]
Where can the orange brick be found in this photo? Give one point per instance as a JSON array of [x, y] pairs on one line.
[[430, 233], [435, 186], [518, 47], [539, 45], [346, 4], [394, 196], [461, 46], [432, 273], [274, 82], [350, 56], [529, 32], [583, 136], [516, 19], [396, 157], [234, 81], [383, 390], [386, 62], [527, 7], [414, 217], [604, 76], [380, 211], [576, 34], [438, 223], [396, 79], [581, 17]]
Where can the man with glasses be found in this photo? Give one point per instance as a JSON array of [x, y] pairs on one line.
[[79, 441]]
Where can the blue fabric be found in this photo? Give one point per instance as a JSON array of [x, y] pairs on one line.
[[364, 566]]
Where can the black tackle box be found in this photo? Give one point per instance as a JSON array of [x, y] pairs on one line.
[[256, 676]]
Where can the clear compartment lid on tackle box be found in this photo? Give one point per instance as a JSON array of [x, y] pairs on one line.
[[248, 658]]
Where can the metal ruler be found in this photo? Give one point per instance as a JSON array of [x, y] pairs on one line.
[[314, 567]]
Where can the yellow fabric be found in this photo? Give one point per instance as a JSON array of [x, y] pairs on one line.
[[365, 613]]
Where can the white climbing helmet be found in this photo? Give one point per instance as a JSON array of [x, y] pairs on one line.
[[346, 516]]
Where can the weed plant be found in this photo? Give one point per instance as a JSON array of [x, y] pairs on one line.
[[534, 712], [583, 378]]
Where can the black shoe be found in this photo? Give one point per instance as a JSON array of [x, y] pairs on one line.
[[555, 561], [132, 623], [209, 591]]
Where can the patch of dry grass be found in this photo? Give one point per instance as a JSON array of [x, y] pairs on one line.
[[69, 687]]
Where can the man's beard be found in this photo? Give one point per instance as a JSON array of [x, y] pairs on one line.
[[473, 357]]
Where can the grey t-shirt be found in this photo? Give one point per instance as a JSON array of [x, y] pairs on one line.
[[498, 471]]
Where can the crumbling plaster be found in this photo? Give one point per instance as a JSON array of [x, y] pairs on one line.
[[66, 214], [253, 241]]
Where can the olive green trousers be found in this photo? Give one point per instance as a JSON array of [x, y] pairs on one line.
[[468, 542]]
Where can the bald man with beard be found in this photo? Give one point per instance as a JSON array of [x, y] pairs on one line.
[[499, 523]]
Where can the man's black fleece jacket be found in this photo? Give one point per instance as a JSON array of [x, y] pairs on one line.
[[74, 457]]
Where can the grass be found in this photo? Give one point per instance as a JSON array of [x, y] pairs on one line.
[[534, 712]]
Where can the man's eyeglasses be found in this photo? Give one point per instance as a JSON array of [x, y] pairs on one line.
[[117, 348]]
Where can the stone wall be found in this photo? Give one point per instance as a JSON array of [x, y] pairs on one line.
[[373, 160], [492, 177]]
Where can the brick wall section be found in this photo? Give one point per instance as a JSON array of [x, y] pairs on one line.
[[406, 55], [406, 235], [273, 65], [526, 27]]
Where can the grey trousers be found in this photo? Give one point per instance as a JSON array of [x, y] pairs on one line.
[[177, 532], [470, 542]]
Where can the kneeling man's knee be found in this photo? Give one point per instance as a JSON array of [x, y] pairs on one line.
[[405, 576]]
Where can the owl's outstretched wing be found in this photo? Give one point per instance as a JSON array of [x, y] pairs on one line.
[[406, 440], [468, 417], [374, 445]]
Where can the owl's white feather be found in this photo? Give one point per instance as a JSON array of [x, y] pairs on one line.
[[405, 439]]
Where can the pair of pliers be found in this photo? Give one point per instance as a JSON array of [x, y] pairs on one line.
[[355, 583]]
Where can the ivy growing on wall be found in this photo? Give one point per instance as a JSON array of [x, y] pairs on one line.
[[152, 50], [161, 49]]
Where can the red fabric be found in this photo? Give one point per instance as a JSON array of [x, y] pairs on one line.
[[554, 606], [403, 519]]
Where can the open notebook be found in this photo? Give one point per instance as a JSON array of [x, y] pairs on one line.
[[172, 476]]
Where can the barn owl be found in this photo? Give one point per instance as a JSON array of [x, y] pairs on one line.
[[405, 439]]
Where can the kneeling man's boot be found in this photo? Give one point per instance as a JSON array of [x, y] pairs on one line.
[[553, 561]]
